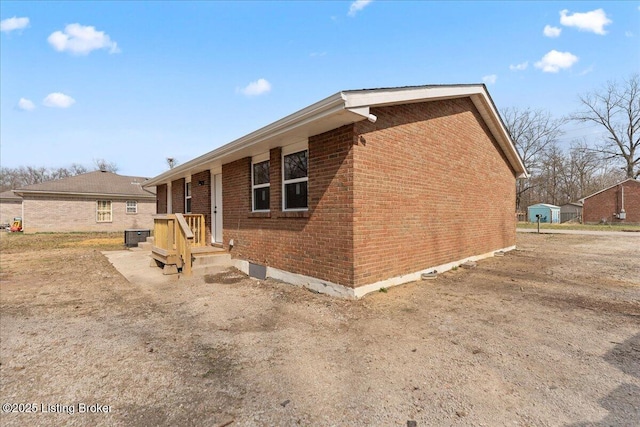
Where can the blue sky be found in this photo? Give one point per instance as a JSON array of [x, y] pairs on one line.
[[136, 82]]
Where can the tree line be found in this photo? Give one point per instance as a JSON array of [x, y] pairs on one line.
[[561, 175], [14, 178]]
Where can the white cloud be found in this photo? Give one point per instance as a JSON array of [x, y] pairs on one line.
[[26, 104], [80, 40], [586, 71], [554, 61], [519, 67], [357, 6], [490, 79], [258, 87], [10, 24], [552, 32], [593, 21], [58, 100]]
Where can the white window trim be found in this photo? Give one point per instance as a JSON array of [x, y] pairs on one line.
[[110, 211], [259, 159], [291, 149], [135, 207], [187, 181]]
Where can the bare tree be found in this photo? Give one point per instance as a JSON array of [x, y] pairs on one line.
[[532, 131], [104, 165], [581, 168], [616, 107], [554, 163], [14, 178], [172, 162]]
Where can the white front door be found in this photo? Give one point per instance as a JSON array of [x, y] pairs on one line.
[[216, 209]]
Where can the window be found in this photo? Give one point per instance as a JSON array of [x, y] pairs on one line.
[[295, 179], [103, 211], [260, 186], [187, 197], [132, 206]]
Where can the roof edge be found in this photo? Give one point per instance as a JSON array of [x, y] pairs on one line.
[[315, 110], [75, 193], [608, 188], [353, 100]]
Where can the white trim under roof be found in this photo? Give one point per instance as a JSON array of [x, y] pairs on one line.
[[341, 109], [149, 196], [608, 188]]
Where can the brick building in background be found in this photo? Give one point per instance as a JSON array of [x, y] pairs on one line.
[[10, 207], [362, 190], [94, 201], [618, 204]]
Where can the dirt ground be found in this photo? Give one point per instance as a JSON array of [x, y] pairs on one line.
[[549, 334]]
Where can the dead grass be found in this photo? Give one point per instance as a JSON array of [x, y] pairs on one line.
[[19, 242]]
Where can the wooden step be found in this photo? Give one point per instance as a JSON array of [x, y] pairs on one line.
[[146, 246], [207, 250], [165, 257]]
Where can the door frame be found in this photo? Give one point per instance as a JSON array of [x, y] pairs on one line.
[[216, 208]]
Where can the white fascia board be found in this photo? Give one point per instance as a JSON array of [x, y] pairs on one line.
[[492, 118], [76, 194], [356, 100], [320, 109], [382, 97], [605, 189]]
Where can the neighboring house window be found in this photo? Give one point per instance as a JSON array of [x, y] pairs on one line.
[[132, 206], [187, 197], [260, 186], [103, 211], [295, 180]]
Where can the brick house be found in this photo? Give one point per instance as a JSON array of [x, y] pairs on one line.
[[94, 201], [10, 207], [618, 204], [362, 190]]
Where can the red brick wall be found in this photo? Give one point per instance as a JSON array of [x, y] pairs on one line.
[[201, 198], [161, 199], [430, 187], [316, 243], [177, 195], [605, 204]]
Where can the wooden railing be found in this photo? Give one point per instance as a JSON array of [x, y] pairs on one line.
[[183, 241], [175, 235], [197, 226]]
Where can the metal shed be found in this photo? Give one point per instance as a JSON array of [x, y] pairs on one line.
[[548, 213]]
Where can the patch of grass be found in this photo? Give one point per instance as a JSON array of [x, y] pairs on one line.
[[383, 290], [454, 268], [592, 227], [19, 242]]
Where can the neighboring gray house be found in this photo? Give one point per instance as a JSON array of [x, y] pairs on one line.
[[94, 201], [10, 207], [569, 211]]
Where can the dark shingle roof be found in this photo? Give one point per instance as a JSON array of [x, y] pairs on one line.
[[95, 183]]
